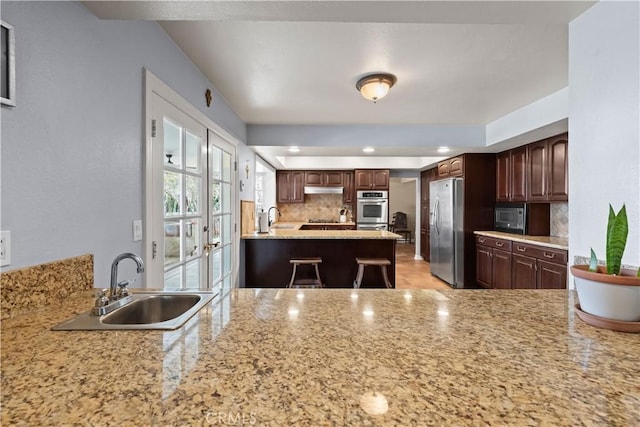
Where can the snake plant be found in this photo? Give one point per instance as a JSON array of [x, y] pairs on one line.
[[617, 232]]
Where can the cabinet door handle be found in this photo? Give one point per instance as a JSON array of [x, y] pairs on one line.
[[550, 256], [521, 249], [499, 244]]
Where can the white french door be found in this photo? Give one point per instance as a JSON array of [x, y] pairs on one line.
[[191, 208], [221, 220]]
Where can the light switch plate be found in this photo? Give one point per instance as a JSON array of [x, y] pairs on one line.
[[5, 248], [137, 230]]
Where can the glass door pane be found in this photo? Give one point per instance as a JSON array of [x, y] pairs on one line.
[[183, 150], [221, 198]]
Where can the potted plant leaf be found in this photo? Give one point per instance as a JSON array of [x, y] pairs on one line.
[[609, 291]]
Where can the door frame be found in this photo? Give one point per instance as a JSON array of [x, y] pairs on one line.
[[153, 85]]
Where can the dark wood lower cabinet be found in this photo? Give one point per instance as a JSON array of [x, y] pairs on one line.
[[501, 265], [551, 276], [501, 269], [483, 266], [523, 272]]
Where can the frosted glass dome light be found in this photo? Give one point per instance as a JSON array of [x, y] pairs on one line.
[[375, 86]]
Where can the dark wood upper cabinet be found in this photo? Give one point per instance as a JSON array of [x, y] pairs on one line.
[[547, 169], [558, 187], [364, 179], [503, 176], [323, 178], [511, 175], [313, 178], [424, 186], [537, 171], [451, 167], [456, 166], [372, 179], [519, 174], [290, 186], [333, 179], [348, 194]]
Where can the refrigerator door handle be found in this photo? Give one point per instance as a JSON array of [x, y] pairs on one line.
[[436, 217]]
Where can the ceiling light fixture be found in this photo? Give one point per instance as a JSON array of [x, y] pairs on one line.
[[294, 149], [375, 86], [444, 150], [368, 149]]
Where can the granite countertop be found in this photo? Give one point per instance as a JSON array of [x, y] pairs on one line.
[[276, 357], [291, 230], [547, 241]]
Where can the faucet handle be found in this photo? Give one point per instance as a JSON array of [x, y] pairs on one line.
[[123, 291], [101, 298]]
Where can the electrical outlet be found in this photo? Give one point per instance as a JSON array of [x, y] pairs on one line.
[[5, 248], [137, 230]]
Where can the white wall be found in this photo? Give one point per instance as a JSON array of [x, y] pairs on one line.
[[72, 148], [402, 198], [604, 121]]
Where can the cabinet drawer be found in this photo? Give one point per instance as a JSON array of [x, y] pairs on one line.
[[556, 256], [492, 242]]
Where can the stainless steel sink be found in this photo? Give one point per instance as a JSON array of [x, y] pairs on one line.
[[157, 310], [283, 226]]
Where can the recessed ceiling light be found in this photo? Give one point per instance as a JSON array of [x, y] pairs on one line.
[[294, 149], [368, 149], [444, 150]]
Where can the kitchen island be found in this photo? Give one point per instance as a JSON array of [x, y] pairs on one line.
[[267, 255], [280, 357]]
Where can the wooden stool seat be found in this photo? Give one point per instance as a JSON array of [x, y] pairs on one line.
[[363, 262], [311, 283]]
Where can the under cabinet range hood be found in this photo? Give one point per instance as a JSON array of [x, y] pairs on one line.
[[323, 190]]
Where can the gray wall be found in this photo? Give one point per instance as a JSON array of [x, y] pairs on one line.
[[604, 125], [373, 135], [72, 165]]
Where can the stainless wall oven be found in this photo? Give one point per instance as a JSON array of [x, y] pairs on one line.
[[372, 208]]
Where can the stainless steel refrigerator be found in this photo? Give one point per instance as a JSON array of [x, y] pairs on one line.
[[446, 214]]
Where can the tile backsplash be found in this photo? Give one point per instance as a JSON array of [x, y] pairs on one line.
[[559, 219], [315, 206]]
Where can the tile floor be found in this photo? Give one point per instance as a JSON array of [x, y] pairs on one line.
[[412, 274]]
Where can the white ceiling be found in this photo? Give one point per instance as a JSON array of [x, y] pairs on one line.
[[297, 62]]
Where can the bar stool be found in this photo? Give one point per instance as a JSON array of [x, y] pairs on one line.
[[363, 262], [311, 283]]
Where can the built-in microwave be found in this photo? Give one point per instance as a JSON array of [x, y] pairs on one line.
[[532, 219], [510, 218]]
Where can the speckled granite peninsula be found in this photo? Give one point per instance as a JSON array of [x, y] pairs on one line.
[[278, 357]]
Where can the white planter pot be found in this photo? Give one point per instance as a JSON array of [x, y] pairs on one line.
[[607, 296]]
